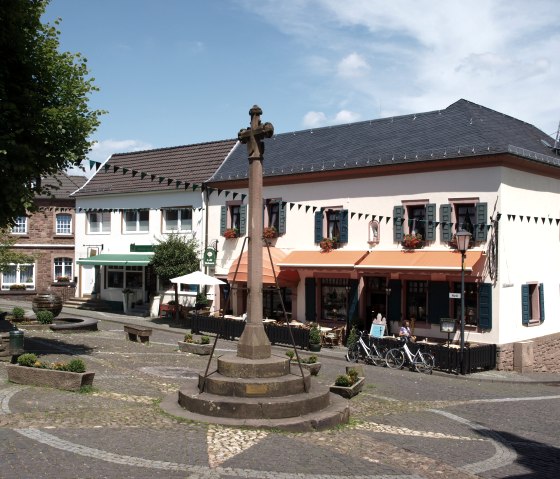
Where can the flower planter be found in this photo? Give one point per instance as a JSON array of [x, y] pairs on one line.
[[313, 368], [195, 348], [49, 377], [314, 347], [48, 301], [350, 391]]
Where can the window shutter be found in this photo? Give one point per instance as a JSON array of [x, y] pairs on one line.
[[430, 222], [242, 220], [310, 311], [398, 215], [353, 302], [438, 301], [481, 232], [343, 226], [394, 304], [485, 306], [445, 223], [525, 302], [281, 218], [318, 226], [223, 220], [541, 301]]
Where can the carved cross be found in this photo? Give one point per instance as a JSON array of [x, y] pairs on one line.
[[254, 135]]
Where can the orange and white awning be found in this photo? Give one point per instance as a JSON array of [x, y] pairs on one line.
[[421, 260], [335, 259]]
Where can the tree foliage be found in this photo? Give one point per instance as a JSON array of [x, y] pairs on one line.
[[8, 255], [175, 256], [45, 121]]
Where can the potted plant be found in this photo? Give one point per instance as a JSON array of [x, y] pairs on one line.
[[270, 232], [310, 363], [348, 385], [70, 376], [62, 279], [201, 301], [200, 346], [315, 338], [327, 244], [231, 233], [412, 241]]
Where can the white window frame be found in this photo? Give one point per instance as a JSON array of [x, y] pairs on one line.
[[104, 225], [63, 228], [63, 266], [137, 221], [18, 276], [181, 228], [20, 225]]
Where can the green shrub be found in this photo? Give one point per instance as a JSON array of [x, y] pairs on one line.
[[290, 354], [314, 335], [353, 374], [188, 338], [76, 366], [204, 340], [311, 359], [343, 380], [18, 313], [352, 338], [44, 316], [27, 359]]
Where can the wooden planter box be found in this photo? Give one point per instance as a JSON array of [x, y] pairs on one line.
[[348, 392], [49, 377], [313, 368], [194, 348]]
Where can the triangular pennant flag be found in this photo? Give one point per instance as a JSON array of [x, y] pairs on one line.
[[160, 179], [536, 219], [194, 187], [307, 208], [557, 221], [143, 175], [124, 171], [284, 203], [106, 168], [521, 217], [360, 216], [366, 216], [528, 219], [116, 168], [134, 173], [373, 217], [292, 205], [299, 206], [542, 219], [178, 183], [153, 177], [169, 181], [243, 196], [499, 216], [488, 227], [235, 194], [187, 186], [549, 221], [352, 215], [436, 224], [314, 209], [227, 193], [513, 216], [219, 191]]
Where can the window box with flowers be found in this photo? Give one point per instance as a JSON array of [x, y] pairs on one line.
[[62, 279], [270, 232], [412, 241], [328, 244], [231, 233]]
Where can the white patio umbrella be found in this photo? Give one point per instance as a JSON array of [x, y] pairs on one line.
[[198, 278]]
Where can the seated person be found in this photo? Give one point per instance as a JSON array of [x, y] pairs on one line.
[[405, 332]]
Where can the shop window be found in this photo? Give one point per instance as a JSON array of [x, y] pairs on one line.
[[99, 222], [125, 277], [22, 275], [63, 268], [177, 220], [416, 300], [334, 299], [272, 306], [136, 221], [471, 303], [63, 224], [20, 225]]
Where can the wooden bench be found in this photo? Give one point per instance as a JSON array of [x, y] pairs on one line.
[[137, 332]]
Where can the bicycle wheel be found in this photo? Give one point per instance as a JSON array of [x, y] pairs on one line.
[[353, 354], [424, 363], [394, 358], [378, 357]]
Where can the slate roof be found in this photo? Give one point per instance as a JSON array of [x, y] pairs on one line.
[[460, 130], [191, 163], [63, 185]]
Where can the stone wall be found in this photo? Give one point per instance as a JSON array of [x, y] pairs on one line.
[[540, 355]]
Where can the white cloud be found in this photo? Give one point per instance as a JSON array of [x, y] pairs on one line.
[[103, 149], [316, 119], [353, 66]]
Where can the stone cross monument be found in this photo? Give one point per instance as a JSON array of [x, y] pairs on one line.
[[254, 343]]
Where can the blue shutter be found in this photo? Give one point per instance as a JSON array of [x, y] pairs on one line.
[[394, 303], [525, 304], [281, 218], [480, 230], [242, 220], [438, 301], [353, 316], [343, 226], [445, 223], [485, 306], [398, 216], [541, 301], [431, 222], [310, 306], [318, 226], [223, 220]]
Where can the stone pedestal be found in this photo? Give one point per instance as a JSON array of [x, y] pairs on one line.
[[523, 358]]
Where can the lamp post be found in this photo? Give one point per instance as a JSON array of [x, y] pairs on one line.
[[387, 294], [463, 239]]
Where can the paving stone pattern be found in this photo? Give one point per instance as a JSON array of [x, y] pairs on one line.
[[404, 425]]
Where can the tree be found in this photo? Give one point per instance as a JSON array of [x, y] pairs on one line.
[[175, 256], [9, 256], [45, 121]]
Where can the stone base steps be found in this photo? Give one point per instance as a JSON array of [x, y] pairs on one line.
[[89, 304]]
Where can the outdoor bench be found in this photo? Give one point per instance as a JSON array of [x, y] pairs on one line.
[[137, 332]]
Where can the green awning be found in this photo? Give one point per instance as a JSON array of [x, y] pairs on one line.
[[117, 259]]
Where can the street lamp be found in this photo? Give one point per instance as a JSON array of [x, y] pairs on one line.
[[463, 239]]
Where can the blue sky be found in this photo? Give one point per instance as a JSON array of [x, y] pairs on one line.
[[176, 72]]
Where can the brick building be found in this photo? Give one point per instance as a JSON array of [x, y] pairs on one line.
[[48, 236]]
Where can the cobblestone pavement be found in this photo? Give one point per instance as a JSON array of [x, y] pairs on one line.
[[403, 425]]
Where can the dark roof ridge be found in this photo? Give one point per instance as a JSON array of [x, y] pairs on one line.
[[167, 148]]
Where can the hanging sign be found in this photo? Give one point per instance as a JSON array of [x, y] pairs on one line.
[[209, 257]]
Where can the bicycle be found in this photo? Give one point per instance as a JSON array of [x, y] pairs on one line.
[[421, 361], [370, 353]]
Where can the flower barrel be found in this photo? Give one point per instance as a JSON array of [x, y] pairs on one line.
[[52, 378], [348, 391], [47, 301]]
